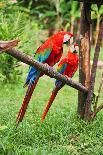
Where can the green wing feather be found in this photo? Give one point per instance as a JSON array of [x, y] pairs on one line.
[[43, 55], [61, 68]]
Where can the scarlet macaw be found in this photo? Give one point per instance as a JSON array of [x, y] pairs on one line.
[[50, 53], [67, 66]]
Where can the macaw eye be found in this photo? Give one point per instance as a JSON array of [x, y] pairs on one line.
[[67, 42]]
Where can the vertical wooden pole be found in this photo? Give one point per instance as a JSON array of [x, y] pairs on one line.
[[84, 56]]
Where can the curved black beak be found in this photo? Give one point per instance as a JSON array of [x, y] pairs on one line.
[[67, 42], [74, 51]]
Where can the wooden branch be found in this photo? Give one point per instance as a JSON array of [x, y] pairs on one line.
[[97, 110], [93, 71], [100, 2], [5, 45], [98, 96], [46, 70]]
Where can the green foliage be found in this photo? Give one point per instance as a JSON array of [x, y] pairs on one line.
[[75, 10], [12, 25], [74, 14], [8, 68], [56, 13], [46, 14], [96, 12]]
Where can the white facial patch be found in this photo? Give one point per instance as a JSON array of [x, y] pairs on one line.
[[66, 38], [73, 48], [76, 48]]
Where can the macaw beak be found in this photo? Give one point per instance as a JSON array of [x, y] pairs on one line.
[[75, 51], [67, 42]]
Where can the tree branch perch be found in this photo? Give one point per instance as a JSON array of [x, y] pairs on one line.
[[6, 45], [46, 70]]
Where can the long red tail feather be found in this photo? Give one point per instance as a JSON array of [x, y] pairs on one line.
[[26, 102], [52, 97]]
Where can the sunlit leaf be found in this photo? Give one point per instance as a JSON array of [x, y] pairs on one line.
[[3, 127]]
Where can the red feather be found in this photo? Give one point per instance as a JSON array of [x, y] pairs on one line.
[[52, 97], [55, 43], [72, 65], [25, 102]]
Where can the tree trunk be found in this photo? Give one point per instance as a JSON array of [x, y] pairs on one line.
[[88, 112], [84, 56]]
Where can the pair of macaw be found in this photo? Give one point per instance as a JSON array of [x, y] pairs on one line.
[[50, 53]]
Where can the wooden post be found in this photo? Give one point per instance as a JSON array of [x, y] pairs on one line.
[[84, 56]]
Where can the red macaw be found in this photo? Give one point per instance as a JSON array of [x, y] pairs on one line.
[[67, 66], [50, 53]]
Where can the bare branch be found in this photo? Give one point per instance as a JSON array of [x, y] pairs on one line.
[[46, 70], [5, 45], [98, 96], [97, 110]]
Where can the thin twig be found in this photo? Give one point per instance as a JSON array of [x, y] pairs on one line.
[[98, 96], [97, 110]]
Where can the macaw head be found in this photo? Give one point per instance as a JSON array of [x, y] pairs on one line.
[[75, 48], [67, 38], [62, 37]]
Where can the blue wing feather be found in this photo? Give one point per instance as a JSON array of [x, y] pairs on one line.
[[42, 56], [33, 72], [61, 70]]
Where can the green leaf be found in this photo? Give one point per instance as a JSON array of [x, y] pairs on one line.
[[49, 14], [93, 15], [73, 7], [3, 127], [94, 7], [101, 10]]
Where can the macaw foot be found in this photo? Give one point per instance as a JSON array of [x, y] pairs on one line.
[[49, 66], [54, 70], [46, 65]]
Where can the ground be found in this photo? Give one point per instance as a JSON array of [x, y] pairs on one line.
[[62, 133]]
